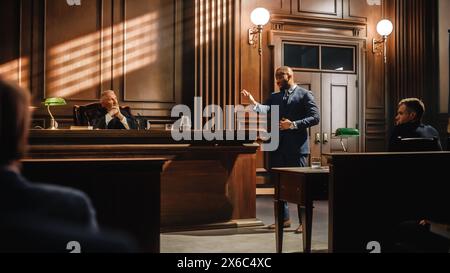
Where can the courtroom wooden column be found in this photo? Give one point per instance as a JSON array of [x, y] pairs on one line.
[[216, 69], [413, 52]]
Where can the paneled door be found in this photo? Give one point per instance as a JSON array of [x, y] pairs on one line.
[[339, 110], [312, 81], [337, 98], [332, 69]]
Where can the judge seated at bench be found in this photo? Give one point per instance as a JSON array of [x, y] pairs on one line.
[[111, 116], [410, 134]]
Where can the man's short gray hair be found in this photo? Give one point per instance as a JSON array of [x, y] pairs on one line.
[[104, 93]]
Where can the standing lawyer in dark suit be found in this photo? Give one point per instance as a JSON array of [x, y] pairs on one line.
[[298, 111], [19, 197], [408, 124], [111, 116]]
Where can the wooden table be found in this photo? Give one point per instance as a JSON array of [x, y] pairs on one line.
[[300, 186]]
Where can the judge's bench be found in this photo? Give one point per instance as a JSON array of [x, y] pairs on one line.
[[143, 180]]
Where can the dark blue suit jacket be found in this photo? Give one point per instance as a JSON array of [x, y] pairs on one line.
[[413, 130], [300, 108], [20, 197]]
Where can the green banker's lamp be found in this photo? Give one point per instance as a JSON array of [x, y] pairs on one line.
[[53, 102], [346, 133]]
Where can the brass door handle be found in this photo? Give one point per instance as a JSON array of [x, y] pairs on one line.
[[317, 140], [325, 138]]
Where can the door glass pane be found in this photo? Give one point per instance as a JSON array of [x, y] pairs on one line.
[[301, 56], [338, 58]]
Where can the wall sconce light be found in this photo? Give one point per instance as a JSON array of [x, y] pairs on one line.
[[384, 28], [259, 17]]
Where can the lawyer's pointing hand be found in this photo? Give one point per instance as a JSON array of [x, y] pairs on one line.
[[249, 96]]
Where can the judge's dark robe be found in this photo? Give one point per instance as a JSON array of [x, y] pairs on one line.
[[100, 121]]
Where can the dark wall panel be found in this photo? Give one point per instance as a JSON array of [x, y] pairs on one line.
[[276, 6], [320, 8], [356, 9], [75, 52], [149, 51], [73, 49], [413, 55], [10, 39]]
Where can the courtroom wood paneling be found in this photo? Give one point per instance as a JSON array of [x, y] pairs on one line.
[[375, 96], [356, 10], [73, 48], [241, 184], [216, 70], [375, 135], [413, 54], [201, 189], [149, 31], [375, 127], [184, 204], [318, 8], [37, 11], [10, 40], [276, 6], [26, 74], [250, 64]]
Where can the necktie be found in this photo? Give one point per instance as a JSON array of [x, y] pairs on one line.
[[286, 96], [284, 104]]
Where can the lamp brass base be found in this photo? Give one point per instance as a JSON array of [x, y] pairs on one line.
[[53, 125]]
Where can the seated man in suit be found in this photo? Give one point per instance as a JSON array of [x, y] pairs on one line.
[[19, 197], [408, 124], [417, 235], [111, 116]]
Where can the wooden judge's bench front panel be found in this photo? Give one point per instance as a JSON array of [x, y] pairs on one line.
[[202, 184]]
